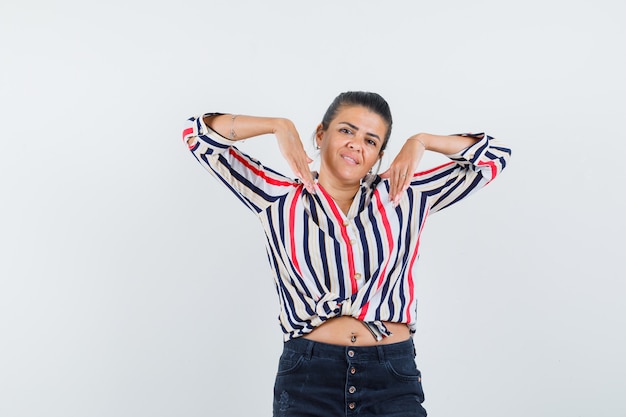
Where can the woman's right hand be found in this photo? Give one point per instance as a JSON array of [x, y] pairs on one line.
[[293, 151]]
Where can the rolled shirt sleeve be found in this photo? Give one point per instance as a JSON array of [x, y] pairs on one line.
[[469, 170], [254, 184]]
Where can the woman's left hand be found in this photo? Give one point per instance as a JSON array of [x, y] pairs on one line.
[[400, 172]]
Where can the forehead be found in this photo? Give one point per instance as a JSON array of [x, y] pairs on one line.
[[362, 118]]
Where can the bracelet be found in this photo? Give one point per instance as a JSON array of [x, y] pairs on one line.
[[421, 143], [232, 134]]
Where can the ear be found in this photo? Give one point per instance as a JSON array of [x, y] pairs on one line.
[[319, 134], [380, 155]]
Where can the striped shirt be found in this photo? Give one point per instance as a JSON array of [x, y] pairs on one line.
[[326, 263]]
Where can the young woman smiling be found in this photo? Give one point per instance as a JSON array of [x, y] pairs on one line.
[[342, 244]]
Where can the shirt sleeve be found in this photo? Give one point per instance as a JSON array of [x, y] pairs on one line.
[[254, 184], [469, 170]]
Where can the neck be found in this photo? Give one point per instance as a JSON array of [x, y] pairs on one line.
[[342, 194]]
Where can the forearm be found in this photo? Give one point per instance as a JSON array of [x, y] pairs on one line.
[[444, 144], [239, 127]]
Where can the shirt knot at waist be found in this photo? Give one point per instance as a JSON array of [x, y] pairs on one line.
[[331, 305]]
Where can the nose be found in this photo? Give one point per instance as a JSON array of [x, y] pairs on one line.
[[354, 144]]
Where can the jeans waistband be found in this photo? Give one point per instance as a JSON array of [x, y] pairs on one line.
[[312, 349]]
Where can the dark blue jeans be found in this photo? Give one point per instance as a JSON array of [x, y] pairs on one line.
[[317, 379]]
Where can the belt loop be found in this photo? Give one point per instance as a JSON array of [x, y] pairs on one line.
[[381, 354], [308, 353]]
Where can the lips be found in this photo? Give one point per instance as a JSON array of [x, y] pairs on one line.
[[350, 159]]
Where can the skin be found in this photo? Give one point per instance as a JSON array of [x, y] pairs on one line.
[[349, 148], [336, 176]]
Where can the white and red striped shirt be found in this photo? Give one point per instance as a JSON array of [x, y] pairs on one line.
[[326, 263]]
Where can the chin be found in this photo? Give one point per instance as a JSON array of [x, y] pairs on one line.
[[352, 179]]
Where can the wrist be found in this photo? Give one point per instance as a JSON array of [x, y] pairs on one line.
[[281, 124], [420, 138]]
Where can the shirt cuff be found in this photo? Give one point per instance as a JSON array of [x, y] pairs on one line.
[[207, 134], [472, 153]]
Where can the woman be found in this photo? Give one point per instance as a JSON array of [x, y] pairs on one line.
[[342, 243]]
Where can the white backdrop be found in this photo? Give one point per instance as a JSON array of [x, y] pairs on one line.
[[122, 262]]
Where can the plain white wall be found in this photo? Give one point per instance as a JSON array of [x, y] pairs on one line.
[[123, 263]]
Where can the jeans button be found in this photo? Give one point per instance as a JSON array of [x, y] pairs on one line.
[[352, 389]]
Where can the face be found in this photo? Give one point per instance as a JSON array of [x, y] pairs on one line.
[[351, 145]]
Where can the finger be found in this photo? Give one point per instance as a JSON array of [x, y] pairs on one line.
[[402, 184], [295, 168], [304, 173], [309, 177], [307, 180], [394, 185]]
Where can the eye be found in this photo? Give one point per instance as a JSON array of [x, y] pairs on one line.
[[372, 142], [345, 130]]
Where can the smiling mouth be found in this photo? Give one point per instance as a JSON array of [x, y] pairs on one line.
[[350, 160]]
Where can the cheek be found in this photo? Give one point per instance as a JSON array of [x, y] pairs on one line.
[[373, 158]]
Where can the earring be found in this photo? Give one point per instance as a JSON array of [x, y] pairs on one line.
[[368, 178], [317, 146]]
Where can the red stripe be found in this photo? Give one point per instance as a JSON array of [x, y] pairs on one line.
[[346, 238], [292, 231], [364, 311], [187, 131], [419, 174], [410, 276], [387, 227], [494, 169], [257, 171]]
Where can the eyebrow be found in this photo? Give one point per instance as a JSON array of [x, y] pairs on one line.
[[356, 128]]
